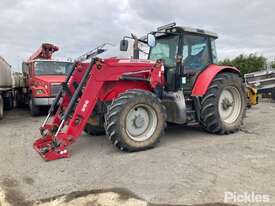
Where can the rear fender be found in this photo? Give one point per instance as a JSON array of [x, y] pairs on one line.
[[206, 77]]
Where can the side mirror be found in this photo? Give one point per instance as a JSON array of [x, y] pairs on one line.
[[151, 40], [123, 45]]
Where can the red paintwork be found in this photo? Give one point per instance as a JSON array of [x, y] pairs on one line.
[[34, 82], [50, 78], [44, 52], [44, 83], [104, 84], [205, 78]]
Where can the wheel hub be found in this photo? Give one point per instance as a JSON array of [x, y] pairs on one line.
[[226, 104], [141, 122], [230, 104]]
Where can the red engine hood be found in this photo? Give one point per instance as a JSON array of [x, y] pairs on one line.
[[51, 78], [129, 62]]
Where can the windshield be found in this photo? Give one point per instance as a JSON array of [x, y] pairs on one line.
[[52, 68], [166, 49]]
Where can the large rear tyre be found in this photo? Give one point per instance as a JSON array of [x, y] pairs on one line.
[[273, 94], [1, 108], [94, 130], [135, 120], [223, 106], [34, 109]]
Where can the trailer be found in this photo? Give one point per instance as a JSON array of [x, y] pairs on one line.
[[263, 81], [11, 87]]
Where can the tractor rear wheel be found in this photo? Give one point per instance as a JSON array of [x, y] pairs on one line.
[[223, 106], [135, 120]]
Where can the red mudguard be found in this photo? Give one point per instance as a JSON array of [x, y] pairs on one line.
[[205, 78]]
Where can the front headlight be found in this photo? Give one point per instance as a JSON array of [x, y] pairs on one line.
[[40, 91]]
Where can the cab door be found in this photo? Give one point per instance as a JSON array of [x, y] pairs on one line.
[[196, 56], [167, 47]]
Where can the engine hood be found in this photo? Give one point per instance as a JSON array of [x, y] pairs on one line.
[[51, 79], [129, 62]]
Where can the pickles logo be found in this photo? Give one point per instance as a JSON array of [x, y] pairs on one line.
[[246, 197]]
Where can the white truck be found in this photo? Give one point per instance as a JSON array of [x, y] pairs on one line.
[[11, 87]]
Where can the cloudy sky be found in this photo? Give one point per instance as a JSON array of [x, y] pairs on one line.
[[244, 26]]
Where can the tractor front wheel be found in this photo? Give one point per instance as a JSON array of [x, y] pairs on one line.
[[135, 120], [223, 106]]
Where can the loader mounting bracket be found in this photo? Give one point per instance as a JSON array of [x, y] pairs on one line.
[[49, 149]]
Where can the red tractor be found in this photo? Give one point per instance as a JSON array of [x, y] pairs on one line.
[[132, 99]]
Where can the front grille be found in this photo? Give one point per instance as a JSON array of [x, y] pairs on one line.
[[55, 89]]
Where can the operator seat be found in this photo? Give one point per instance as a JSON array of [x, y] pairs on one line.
[[198, 60]]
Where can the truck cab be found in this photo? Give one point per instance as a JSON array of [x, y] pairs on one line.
[[43, 77]]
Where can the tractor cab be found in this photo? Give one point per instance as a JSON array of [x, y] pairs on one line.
[[184, 51]]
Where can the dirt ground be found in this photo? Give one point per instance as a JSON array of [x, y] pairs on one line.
[[189, 166]]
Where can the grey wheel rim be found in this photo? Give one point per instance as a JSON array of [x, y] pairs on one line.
[[230, 104], [141, 122]]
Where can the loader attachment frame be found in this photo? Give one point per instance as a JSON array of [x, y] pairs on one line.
[[69, 113]]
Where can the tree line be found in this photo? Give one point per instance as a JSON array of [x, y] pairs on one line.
[[247, 63]]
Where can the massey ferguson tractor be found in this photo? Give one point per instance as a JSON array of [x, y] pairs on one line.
[[132, 99], [43, 77]]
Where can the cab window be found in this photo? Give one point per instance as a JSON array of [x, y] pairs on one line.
[[195, 52], [166, 48], [214, 51]]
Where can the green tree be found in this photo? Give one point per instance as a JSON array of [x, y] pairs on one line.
[[246, 63]]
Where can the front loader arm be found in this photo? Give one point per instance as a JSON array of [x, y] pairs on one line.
[[69, 120], [83, 88]]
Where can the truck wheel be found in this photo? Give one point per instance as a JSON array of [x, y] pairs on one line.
[[8, 103], [94, 130], [135, 120], [1, 107], [223, 106], [20, 99], [14, 100], [273, 94], [35, 110]]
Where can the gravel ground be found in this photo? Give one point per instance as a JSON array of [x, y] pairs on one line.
[[189, 166]]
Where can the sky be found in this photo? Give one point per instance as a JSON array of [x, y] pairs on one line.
[[76, 26]]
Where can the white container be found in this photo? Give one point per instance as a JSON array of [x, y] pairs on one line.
[[17, 80], [5, 75]]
